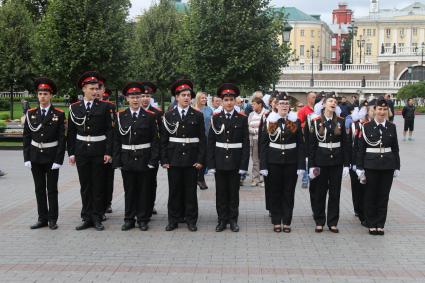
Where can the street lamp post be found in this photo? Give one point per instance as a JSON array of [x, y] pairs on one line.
[[353, 31], [422, 58], [410, 71], [312, 65], [286, 37], [360, 44]]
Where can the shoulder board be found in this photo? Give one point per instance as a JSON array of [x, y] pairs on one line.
[[32, 109], [216, 113], [121, 111], [58, 109], [150, 112], [157, 108], [75, 103], [196, 109], [242, 113], [109, 102]]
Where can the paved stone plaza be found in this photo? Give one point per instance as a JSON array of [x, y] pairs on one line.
[[255, 254]]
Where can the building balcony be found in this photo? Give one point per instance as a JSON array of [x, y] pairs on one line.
[[332, 68], [404, 53]]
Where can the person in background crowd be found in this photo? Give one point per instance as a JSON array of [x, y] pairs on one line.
[[344, 105], [216, 103], [390, 103], [240, 104], [25, 106], [408, 114], [200, 104], [254, 120], [354, 101], [248, 107]]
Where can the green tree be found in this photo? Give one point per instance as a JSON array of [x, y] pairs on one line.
[[234, 41], [79, 35], [37, 8], [15, 49], [412, 90], [154, 54]]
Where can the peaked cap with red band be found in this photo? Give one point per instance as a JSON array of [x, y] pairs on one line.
[[149, 87], [45, 84], [90, 77], [228, 89], [182, 85], [133, 88]]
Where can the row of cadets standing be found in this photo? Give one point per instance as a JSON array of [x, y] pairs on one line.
[[183, 151], [282, 160], [44, 150], [228, 156], [89, 141], [136, 152]]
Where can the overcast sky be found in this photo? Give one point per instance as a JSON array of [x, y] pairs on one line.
[[323, 7]]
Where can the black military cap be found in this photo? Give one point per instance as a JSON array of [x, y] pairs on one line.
[[45, 84], [283, 96], [381, 102], [149, 87], [330, 95], [228, 89], [90, 77], [364, 103], [107, 93], [182, 85], [133, 88], [101, 79]]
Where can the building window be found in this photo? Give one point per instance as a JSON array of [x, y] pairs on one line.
[[368, 49], [415, 47], [301, 50], [415, 31], [333, 41], [333, 54], [401, 45], [402, 32], [388, 45], [388, 32], [302, 33], [312, 33], [374, 32], [369, 32]]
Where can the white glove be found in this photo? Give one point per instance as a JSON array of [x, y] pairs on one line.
[[311, 173], [27, 164], [396, 173], [360, 173], [353, 167], [211, 171], [242, 172], [345, 171], [264, 172], [150, 166], [300, 172], [56, 166]]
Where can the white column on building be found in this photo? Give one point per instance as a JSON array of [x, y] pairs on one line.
[[421, 36], [395, 36], [392, 65], [408, 33], [381, 37]]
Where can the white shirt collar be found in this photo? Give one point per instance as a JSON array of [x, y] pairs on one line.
[[231, 112], [47, 109], [383, 123], [87, 101], [180, 110], [132, 112]]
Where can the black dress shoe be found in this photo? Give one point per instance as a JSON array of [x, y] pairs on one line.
[[127, 226], [192, 227], [319, 230], [84, 226], [202, 185], [334, 229], [99, 226], [380, 232], [143, 226], [234, 226], [221, 226], [154, 211], [103, 218], [53, 225], [109, 209], [39, 224], [286, 229], [171, 227], [373, 232]]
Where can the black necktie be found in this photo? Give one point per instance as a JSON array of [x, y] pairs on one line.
[[228, 115], [88, 106], [43, 114], [183, 116], [135, 116]]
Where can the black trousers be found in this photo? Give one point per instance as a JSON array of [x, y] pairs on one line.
[[377, 194], [154, 185], [329, 180], [182, 196], [283, 179], [357, 193], [110, 174], [267, 193], [312, 189], [138, 195], [227, 184], [92, 173], [46, 179]]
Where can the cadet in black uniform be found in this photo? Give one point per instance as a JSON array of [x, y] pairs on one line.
[[90, 139], [329, 152], [228, 156], [282, 159], [44, 150], [149, 89], [103, 95], [136, 152], [183, 149], [378, 162]]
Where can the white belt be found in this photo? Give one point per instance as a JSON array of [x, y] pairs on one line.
[[228, 145], [283, 146], [135, 146], [184, 140], [330, 145], [91, 138], [378, 150], [44, 144]]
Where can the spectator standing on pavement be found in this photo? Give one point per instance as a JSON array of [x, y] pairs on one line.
[[216, 103], [254, 120], [248, 107], [344, 105], [408, 114], [25, 106], [390, 103]]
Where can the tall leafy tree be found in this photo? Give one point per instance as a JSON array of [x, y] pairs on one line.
[[15, 49], [232, 40], [79, 35], [154, 50]]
